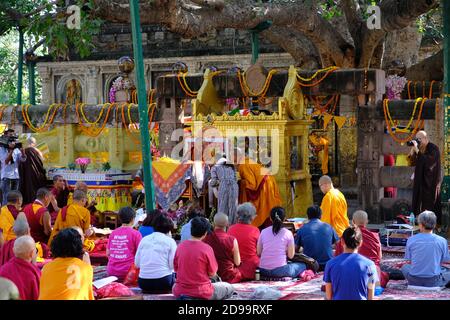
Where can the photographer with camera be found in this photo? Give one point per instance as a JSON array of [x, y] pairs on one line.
[[11, 154], [426, 158]]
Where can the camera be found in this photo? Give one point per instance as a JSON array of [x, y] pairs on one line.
[[6, 140], [410, 143]]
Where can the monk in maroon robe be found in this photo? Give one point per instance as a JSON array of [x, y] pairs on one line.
[[32, 173], [20, 228], [426, 158], [21, 270]]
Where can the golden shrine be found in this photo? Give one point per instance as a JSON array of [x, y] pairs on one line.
[[284, 132]]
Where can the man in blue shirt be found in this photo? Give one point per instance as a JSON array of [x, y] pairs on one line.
[[186, 229], [316, 238], [9, 158], [350, 276], [426, 251]]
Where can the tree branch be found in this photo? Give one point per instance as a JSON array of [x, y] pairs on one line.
[[352, 16], [431, 68], [39, 9], [395, 15]]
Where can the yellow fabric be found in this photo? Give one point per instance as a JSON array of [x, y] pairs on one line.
[[340, 121], [334, 211], [326, 119], [165, 166], [323, 155], [252, 174], [77, 216], [6, 224], [401, 160], [66, 279]]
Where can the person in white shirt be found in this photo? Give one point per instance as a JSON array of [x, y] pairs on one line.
[[155, 256], [10, 158]]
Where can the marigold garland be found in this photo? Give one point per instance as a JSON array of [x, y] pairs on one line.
[[323, 109], [419, 122], [246, 89], [408, 126], [47, 121], [327, 71], [93, 131]]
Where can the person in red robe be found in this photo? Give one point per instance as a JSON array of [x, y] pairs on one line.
[[226, 250], [21, 270], [38, 216], [60, 192], [371, 245], [20, 228]]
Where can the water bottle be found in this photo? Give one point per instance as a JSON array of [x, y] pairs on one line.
[[257, 275], [412, 219]]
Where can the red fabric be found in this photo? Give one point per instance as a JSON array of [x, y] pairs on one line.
[[113, 290], [35, 223], [6, 252], [193, 262], [222, 244], [131, 279], [370, 247], [389, 192], [25, 276], [64, 213], [13, 210], [254, 195], [247, 238], [61, 196]]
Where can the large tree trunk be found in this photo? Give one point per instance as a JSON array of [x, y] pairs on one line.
[[429, 69], [402, 45]]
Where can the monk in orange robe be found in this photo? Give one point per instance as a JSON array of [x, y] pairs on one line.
[[74, 215], [20, 229], [334, 206], [67, 277], [9, 214], [258, 187]]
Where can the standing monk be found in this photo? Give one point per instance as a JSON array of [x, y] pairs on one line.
[[32, 172], [258, 187], [334, 206], [74, 215], [223, 175], [427, 176]]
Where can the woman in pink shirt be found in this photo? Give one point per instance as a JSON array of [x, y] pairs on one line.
[[275, 245], [122, 245], [247, 237]]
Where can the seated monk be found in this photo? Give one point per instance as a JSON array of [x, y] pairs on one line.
[[259, 187], [247, 238], [21, 269], [60, 192], [90, 203], [9, 214], [74, 215], [8, 290], [38, 216], [370, 247], [334, 206], [226, 250], [20, 228], [58, 280]]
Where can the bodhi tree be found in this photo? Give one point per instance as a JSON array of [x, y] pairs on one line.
[[316, 33]]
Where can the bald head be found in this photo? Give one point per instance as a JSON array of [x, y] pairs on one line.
[[422, 137], [325, 184], [82, 186], [220, 220], [31, 141], [360, 218], [24, 248], [21, 227]]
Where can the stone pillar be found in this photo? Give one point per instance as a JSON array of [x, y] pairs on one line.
[[93, 94], [45, 74]]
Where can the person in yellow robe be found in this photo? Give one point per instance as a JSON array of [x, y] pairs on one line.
[[259, 187], [73, 215], [67, 277], [9, 214], [334, 206]]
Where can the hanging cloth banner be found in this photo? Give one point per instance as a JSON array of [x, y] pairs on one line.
[[326, 119], [340, 121]]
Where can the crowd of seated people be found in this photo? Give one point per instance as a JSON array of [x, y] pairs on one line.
[[208, 259]]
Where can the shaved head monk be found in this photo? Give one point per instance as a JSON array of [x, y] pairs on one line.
[[38, 216], [20, 228], [73, 215], [334, 206], [9, 214], [21, 270]]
